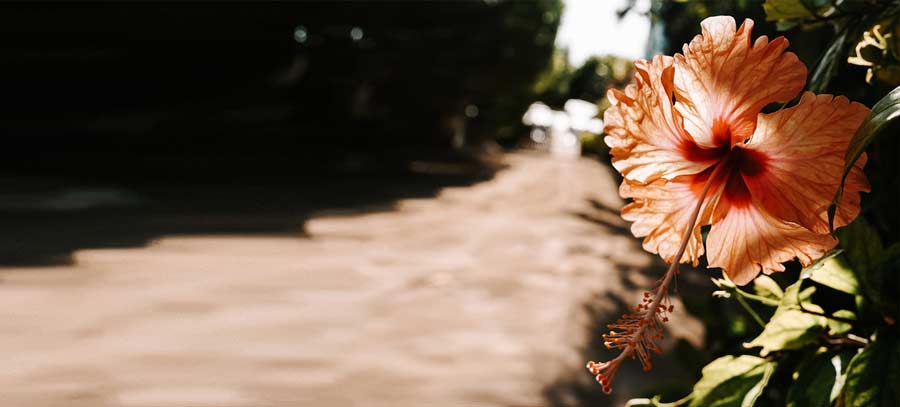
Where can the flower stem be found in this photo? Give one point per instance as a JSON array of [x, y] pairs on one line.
[[758, 298], [750, 310]]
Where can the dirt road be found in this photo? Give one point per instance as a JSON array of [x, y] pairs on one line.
[[473, 298]]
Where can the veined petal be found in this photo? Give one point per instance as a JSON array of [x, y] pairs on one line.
[[617, 126], [747, 241], [644, 131], [804, 148], [723, 81], [661, 211]]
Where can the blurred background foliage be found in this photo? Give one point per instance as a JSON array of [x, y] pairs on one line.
[[209, 89], [590, 81]]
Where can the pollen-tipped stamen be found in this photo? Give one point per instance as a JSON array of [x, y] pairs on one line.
[[636, 333]]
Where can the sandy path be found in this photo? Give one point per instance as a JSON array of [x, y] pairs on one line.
[[473, 298]]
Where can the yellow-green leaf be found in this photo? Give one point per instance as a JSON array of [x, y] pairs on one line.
[[732, 382], [786, 10], [836, 274], [788, 329], [767, 287], [840, 326], [793, 296]]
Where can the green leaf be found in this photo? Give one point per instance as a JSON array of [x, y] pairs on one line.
[[732, 382], [840, 327], [767, 287], [883, 113], [807, 272], [873, 375], [793, 296], [889, 280], [789, 329], [786, 10], [784, 25], [836, 274], [840, 362], [862, 245], [813, 382], [865, 255], [828, 64], [891, 252]]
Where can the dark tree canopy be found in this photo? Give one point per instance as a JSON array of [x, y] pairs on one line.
[[154, 87]]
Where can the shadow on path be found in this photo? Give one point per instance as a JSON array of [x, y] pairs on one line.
[[46, 219], [673, 371]]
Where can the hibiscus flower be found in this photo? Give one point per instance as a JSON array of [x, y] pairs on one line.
[[695, 149]]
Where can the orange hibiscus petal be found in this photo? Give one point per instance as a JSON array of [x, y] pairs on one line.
[[661, 211], [804, 148], [617, 126], [723, 81], [747, 241], [644, 132]]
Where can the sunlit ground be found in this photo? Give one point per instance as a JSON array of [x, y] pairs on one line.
[[483, 295]]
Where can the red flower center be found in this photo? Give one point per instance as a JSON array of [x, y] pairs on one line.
[[739, 163]]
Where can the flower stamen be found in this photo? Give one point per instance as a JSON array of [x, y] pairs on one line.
[[637, 332]]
